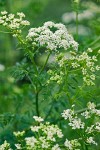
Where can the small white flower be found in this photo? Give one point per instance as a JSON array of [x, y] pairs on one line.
[[59, 133], [91, 105], [99, 51], [94, 58], [31, 141], [4, 12], [20, 14], [89, 50], [25, 22], [68, 114], [5, 146], [19, 133], [76, 123], [1, 21], [75, 65], [56, 147], [86, 114], [84, 71], [97, 112], [72, 145], [97, 127], [38, 119], [18, 146], [35, 128], [90, 129], [44, 143], [90, 140], [11, 16], [97, 67], [68, 144]]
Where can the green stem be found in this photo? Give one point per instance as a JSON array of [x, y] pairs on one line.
[[37, 103], [77, 25], [67, 85], [83, 110], [94, 42], [77, 93], [31, 81], [29, 52], [45, 63], [21, 41], [36, 71], [5, 32], [86, 147], [34, 64], [37, 96], [52, 104]]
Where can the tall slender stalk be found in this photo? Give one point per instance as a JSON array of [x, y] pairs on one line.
[[45, 63], [36, 71], [75, 5], [37, 103], [77, 25]]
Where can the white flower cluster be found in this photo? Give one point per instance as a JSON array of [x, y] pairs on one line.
[[45, 135], [49, 134], [5, 146], [52, 36], [72, 145], [84, 63], [19, 134], [76, 123], [18, 146], [38, 119], [13, 23], [30, 142], [87, 65], [90, 140], [91, 111], [93, 128], [56, 147]]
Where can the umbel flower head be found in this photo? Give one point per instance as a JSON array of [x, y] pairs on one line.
[[52, 36], [13, 22]]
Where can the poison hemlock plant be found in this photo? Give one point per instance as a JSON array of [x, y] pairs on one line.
[[68, 68]]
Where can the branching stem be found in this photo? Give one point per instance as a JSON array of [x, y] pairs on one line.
[[45, 63]]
